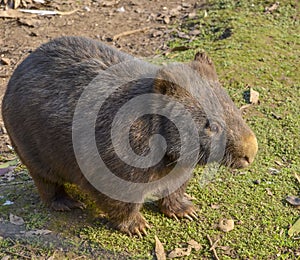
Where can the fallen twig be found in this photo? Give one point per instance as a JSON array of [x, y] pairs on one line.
[[47, 12], [117, 36], [297, 177], [213, 247]]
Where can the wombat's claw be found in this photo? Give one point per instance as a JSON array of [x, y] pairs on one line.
[[144, 231], [194, 214], [66, 204], [188, 217], [174, 216], [136, 231]]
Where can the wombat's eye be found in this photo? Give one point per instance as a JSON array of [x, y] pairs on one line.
[[214, 128]]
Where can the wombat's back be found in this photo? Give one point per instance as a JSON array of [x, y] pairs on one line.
[[41, 97]]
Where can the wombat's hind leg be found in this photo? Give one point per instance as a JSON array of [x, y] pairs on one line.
[[176, 205], [55, 196]]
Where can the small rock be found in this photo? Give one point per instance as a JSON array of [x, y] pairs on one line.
[[86, 8], [16, 220], [121, 9], [226, 225], [254, 96]]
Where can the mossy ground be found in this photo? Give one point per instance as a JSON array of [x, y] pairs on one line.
[[250, 48]]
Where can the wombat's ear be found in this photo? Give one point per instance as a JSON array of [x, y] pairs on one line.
[[163, 82], [204, 66], [202, 57]]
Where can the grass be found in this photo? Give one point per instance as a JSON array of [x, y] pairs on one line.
[[249, 48]]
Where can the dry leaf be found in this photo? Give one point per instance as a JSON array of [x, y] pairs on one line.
[[226, 225], [16, 220], [254, 96], [272, 8], [7, 203], [194, 244], [295, 229], [297, 177], [159, 250], [167, 20], [215, 206], [293, 200], [269, 192], [274, 171], [180, 252], [5, 61]]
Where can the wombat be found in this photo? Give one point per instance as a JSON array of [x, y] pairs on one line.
[[52, 136]]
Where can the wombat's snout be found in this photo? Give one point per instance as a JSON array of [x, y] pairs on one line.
[[247, 153]]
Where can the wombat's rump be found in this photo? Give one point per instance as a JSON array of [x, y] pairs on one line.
[[40, 101]]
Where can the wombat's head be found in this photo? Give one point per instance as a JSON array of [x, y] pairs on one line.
[[223, 134]]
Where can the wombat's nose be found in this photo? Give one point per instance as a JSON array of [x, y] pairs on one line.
[[250, 148]]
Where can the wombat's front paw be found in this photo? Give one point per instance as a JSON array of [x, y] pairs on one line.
[[136, 225], [179, 209]]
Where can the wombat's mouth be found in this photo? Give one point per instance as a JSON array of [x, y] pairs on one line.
[[243, 153], [237, 162], [240, 163]]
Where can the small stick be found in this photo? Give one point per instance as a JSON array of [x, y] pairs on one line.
[[213, 247], [297, 177], [117, 36]]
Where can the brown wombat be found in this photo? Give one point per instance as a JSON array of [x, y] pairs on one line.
[[54, 118]]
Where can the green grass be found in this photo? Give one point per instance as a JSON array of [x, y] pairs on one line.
[[263, 52]]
